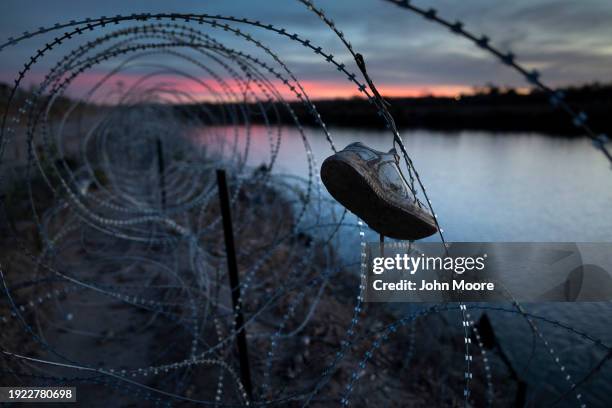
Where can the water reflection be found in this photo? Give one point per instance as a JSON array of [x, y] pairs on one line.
[[492, 187]]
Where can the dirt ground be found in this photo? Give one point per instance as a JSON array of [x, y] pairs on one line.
[[139, 333]]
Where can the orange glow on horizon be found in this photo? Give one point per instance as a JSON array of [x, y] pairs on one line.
[[331, 90], [204, 89]]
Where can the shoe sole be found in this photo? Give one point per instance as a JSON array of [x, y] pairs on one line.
[[349, 187]]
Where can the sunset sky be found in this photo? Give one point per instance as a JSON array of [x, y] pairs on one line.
[[568, 41]]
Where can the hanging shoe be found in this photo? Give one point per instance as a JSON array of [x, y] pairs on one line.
[[370, 184]]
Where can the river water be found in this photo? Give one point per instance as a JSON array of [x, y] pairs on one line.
[[497, 187]]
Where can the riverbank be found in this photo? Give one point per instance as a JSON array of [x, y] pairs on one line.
[[143, 309], [493, 110]]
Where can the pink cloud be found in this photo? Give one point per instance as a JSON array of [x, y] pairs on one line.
[[208, 89]]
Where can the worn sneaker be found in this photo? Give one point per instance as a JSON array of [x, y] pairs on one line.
[[370, 184]]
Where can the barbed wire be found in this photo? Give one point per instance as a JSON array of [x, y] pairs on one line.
[[107, 228], [556, 98]]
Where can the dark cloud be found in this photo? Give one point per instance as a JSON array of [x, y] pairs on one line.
[[567, 40]]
